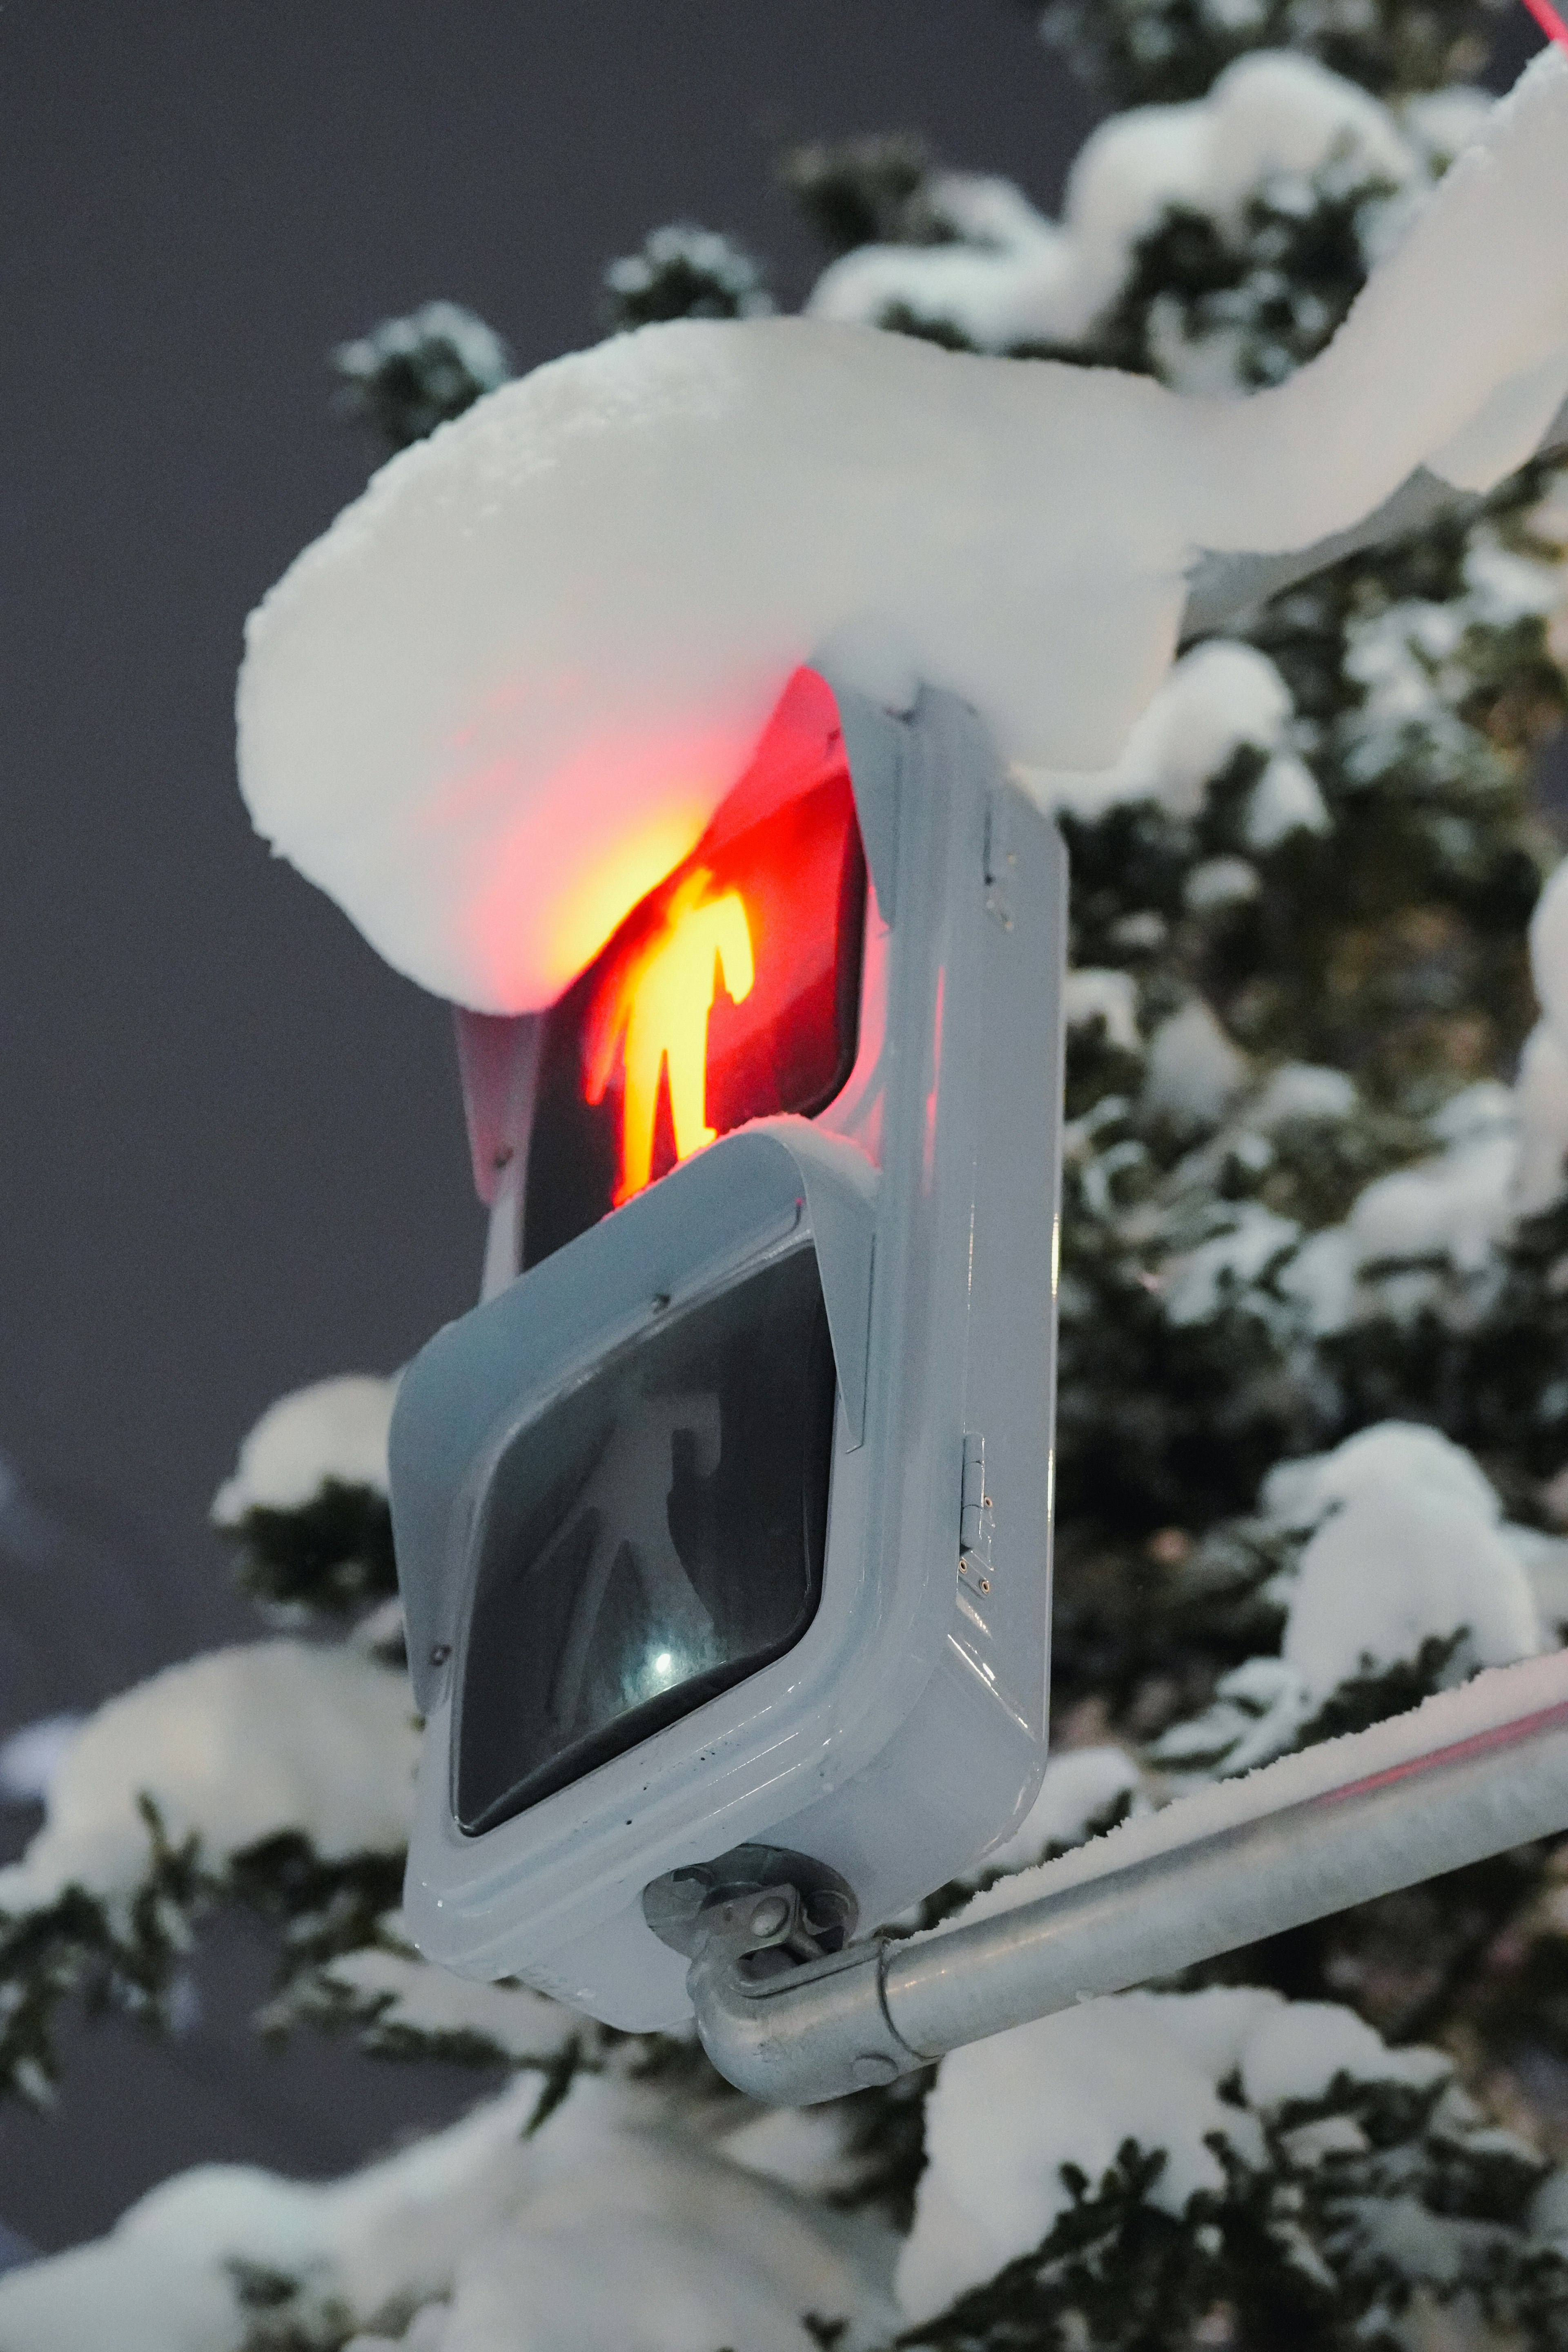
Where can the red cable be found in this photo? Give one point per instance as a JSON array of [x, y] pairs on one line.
[[1554, 26]]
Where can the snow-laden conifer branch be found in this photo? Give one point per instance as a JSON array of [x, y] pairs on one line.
[[1137, 50], [306, 1510], [280, 1774]]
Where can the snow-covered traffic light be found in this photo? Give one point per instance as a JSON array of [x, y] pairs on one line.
[[726, 1526]]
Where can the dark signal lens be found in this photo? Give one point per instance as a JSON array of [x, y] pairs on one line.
[[654, 1536], [729, 992]]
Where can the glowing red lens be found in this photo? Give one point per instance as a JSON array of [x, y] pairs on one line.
[[730, 992]]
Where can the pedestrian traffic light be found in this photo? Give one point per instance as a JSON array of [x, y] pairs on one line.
[[722, 1523]]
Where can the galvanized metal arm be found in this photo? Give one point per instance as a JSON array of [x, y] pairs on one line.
[[1469, 1774]]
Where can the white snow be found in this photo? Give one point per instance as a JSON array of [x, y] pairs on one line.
[[1222, 1271], [1194, 1069], [1217, 698], [802, 2146], [1080, 1786], [159, 2281], [607, 2228], [1304, 1090], [1503, 586], [333, 1429], [1397, 1564], [1299, 2048], [1285, 798], [389, 1984], [1429, 1236], [30, 1757], [1013, 277], [1411, 1236], [237, 1747], [1443, 123], [659, 2247], [1322, 1280], [1456, 1207], [1219, 882], [1404, 1453], [1397, 655], [1549, 2212], [503, 694], [1091, 995], [1257, 1711], [1476, 1113], [1544, 1559], [1007, 2115], [1406, 1542]]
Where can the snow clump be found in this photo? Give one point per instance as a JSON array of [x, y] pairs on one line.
[[609, 2228], [1219, 700], [239, 1747], [1302, 1494], [1548, 953], [1398, 1568], [1081, 1788], [1541, 1099], [1222, 1270], [1011, 277], [1194, 1069], [1405, 1556], [636, 547], [1408, 1547], [1008, 2114], [30, 1757], [1430, 1235], [334, 1430], [402, 2006], [1305, 1091], [1110, 997]]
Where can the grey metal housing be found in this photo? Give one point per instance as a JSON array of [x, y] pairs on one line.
[[904, 1735]]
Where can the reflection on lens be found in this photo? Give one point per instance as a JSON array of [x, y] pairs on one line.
[[654, 1537]]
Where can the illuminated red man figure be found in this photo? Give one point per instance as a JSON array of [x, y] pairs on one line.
[[657, 1007]]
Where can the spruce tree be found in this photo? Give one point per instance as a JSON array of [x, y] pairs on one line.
[[1313, 1456]]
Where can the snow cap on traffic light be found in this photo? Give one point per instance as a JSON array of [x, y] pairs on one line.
[[504, 694]]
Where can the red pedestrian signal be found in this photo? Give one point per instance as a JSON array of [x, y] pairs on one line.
[[729, 992]]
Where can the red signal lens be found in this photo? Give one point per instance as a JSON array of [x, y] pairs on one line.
[[729, 992]]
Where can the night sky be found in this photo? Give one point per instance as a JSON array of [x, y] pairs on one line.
[[233, 1148]]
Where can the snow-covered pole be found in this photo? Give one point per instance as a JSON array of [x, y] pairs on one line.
[[1471, 1773], [1223, 588]]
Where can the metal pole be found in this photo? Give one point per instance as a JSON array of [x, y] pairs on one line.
[[1469, 1774]]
